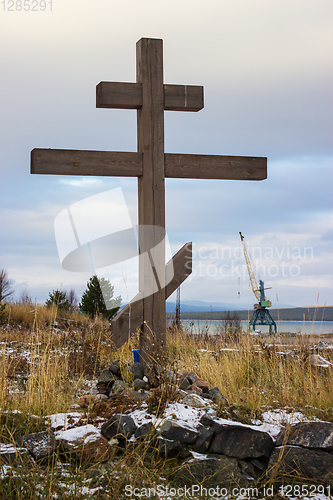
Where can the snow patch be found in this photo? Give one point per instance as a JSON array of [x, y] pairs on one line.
[[87, 433]]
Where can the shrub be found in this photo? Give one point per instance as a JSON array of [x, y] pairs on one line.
[[59, 299]]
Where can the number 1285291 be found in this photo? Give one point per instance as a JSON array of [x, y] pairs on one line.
[[26, 5]]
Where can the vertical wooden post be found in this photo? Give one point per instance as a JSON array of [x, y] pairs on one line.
[[150, 120]]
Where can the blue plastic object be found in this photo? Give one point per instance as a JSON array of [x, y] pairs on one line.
[[136, 355]]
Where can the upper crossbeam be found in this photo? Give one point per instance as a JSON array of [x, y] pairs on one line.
[[121, 95]]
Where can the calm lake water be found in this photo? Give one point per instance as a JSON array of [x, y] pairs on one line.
[[300, 327]]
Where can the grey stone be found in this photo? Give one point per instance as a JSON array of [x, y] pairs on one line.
[[102, 390], [84, 445], [241, 442], [118, 387], [217, 396], [184, 453], [207, 396], [294, 464], [145, 430], [106, 378], [192, 377], [115, 368], [11, 455], [249, 470], [258, 464], [40, 444], [140, 384], [151, 372], [194, 400], [210, 472], [168, 448], [309, 435], [202, 443], [100, 397], [139, 395], [172, 430], [184, 383], [119, 427], [210, 422], [318, 361], [138, 371]]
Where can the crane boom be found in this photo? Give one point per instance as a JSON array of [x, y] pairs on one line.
[[260, 315], [253, 281]]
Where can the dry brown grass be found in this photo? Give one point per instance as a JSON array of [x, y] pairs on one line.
[[48, 359], [254, 374]]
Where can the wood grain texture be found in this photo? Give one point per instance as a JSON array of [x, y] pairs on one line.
[[118, 95], [180, 266], [70, 162], [127, 321], [151, 193], [130, 164], [183, 97], [215, 167], [130, 318]]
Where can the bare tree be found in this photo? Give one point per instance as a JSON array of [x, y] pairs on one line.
[[25, 298], [72, 299], [6, 290]]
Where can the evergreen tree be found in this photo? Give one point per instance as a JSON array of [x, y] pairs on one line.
[[5, 286], [2, 311], [98, 298], [5, 291], [59, 299]]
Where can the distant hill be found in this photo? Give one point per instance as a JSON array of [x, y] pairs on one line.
[[199, 306], [189, 306], [284, 314]]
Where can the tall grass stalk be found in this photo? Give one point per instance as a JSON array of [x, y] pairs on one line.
[[256, 375]]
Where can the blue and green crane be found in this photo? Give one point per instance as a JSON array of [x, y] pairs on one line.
[[261, 315]]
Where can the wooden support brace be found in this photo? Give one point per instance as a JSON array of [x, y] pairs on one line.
[[130, 318]]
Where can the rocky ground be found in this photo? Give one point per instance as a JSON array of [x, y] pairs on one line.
[[178, 418], [133, 427]]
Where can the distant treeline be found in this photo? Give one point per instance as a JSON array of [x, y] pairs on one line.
[[290, 314]]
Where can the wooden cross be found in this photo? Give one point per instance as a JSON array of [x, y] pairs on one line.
[[150, 97]]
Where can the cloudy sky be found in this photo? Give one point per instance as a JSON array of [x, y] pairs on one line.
[[267, 70]]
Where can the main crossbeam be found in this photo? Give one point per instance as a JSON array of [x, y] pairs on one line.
[[123, 164]]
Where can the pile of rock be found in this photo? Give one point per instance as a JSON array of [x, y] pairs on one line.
[[210, 451], [215, 452], [138, 382]]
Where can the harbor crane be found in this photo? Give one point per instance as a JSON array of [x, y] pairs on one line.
[[261, 315]]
